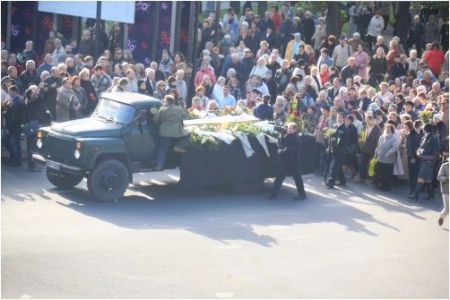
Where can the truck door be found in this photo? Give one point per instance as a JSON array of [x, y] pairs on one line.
[[143, 138]]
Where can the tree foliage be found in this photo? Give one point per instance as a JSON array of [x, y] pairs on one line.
[[441, 5]]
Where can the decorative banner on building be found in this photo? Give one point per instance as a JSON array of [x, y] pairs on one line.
[[165, 23], [45, 24], [140, 33], [184, 28], [21, 24]]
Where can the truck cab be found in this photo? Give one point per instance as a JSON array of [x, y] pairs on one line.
[[120, 138]]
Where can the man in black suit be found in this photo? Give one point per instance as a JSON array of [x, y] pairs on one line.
[[288, 163], [159, 75], [150, 82], [271, 38], [333, 91], [52, 83], [13, 127], [339, 142]]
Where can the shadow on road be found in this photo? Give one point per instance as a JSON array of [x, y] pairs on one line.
[[218, 214]]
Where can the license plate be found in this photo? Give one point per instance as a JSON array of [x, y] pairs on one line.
[[53, 165]]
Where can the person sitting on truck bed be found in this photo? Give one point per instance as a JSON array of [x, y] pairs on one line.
[[170, 119]]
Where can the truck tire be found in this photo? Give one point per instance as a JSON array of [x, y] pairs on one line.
[[248, 187], [64, 181], [108, 180]]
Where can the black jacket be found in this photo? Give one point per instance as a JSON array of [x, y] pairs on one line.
[[430, 146], [412, 144], [282, 78], [347, 72], [272, 86], [272, 40], [308, 28], [35, 110], [341, 142], [149, 88], [397, 70], [27, 79], [290, 146], [352, 135], [14, 115], [378, 66]]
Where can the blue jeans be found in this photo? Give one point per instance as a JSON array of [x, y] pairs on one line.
[[11, 141], [164, 144]]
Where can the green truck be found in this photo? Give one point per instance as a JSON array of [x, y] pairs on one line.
[[120, 138]]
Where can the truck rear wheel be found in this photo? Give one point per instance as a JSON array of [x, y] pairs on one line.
[[64, 181], [248, 187], [108, 180]]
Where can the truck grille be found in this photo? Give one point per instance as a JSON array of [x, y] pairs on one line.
[[59, 149]]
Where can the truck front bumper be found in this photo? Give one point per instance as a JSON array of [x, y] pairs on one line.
[[56, 167]]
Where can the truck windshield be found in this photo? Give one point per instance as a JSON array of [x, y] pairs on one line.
[[114, 111]]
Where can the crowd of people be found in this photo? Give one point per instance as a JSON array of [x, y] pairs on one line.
[[377, 94]]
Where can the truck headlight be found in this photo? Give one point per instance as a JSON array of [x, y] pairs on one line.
[[77, 154], [39, 143]]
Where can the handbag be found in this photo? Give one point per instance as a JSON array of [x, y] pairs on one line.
[[398, 165], [30, 128], [371, 171]]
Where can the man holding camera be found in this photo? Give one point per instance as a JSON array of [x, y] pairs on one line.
[[288, 163]]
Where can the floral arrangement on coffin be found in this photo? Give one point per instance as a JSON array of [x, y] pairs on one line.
[[209, 137], [203, 143], [425, 116], [233, 111], [195, 113]]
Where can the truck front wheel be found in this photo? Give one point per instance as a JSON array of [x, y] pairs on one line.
[[108, 181], [64, 181]]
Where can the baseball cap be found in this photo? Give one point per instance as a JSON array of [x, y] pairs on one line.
[[342, 37], [247, 50]]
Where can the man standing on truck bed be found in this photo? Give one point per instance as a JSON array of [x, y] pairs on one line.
[[170, 120]]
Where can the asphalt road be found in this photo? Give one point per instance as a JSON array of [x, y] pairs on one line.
[[163, 242]]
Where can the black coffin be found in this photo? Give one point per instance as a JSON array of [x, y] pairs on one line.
[[229, 164]]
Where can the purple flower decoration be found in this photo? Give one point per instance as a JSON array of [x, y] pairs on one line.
[[131, 44], [15, 30]]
